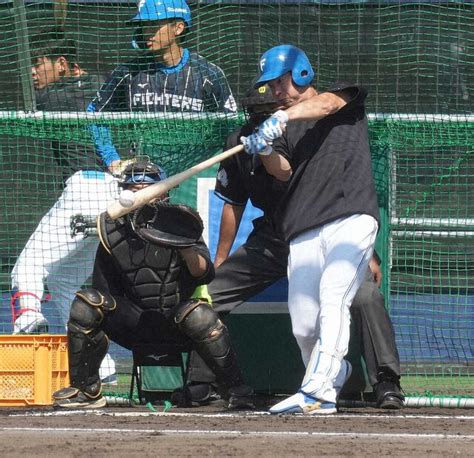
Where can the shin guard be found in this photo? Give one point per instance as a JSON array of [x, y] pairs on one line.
[[210, 336], [87, 343]]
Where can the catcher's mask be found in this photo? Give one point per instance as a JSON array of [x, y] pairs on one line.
[[259, 104], [141, 172]]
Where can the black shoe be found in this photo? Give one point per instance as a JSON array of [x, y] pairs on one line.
[[195, 395], [388, 395], [73, 398], [241, 397]]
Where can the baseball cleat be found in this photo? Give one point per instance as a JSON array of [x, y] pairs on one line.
[[195, 395], [241, 398], [72, 398], [305, 404]]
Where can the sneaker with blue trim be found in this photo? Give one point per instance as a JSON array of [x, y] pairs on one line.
[[304, 403]]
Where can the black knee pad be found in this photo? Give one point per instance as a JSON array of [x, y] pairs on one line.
[[197, 319], [88, 308]]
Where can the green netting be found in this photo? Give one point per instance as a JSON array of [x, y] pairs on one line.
[[416, 60], [176, 140]]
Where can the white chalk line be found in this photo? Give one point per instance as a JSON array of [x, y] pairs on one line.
[[207, 432], [67, 413]]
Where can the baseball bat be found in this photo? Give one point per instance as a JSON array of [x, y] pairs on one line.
[[143, 196]]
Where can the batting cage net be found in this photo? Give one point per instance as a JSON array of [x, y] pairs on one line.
[[414, 57]]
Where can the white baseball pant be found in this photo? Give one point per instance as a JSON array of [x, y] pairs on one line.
[[51, 255], [326, 267]]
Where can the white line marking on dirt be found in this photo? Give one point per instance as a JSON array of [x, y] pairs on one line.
[[206, 432], [66, 413]]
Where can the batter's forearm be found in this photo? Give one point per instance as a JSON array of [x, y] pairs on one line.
[[317, 107], [276, 165]]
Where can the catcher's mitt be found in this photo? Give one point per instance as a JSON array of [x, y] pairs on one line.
[[172, 226]]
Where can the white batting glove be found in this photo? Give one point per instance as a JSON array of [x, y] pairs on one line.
[[273, 127], [30, 321], [256, 144]]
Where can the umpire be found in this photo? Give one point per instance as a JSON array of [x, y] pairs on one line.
[[262, 260], [141, 294]]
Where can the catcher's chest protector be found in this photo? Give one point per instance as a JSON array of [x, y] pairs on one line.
[[151, 271]]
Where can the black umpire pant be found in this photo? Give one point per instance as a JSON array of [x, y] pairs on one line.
[[260, 262]]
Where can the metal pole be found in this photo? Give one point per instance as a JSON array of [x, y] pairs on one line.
[[24, 56]]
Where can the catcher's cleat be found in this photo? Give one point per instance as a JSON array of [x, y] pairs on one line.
[[195, 395], [73, 398], [305, 404], [241, 398], [388, 395]]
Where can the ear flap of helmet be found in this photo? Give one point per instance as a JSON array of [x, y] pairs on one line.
[[302, 73]]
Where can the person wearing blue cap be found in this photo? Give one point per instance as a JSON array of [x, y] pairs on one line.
[[262, 260], [328, 214], [166, 77]]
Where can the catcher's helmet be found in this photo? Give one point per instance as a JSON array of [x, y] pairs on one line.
[[157, 10], [284, 59], [142, 172]]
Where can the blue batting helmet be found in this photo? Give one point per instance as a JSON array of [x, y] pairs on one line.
[[142, 172], [157, 10], [284, 59]]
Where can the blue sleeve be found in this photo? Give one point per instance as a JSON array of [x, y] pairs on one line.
[[111, 97], [102, 140]]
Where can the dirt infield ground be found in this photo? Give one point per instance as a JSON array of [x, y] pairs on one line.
[[213, 431]]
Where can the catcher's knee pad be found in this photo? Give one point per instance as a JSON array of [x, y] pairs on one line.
[[88, 308], [211, 339], [87, 343], [196, 319]]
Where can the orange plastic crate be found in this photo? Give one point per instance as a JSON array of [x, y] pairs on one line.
[[32, 367]]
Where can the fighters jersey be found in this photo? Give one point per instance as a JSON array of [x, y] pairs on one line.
[[152, 276], [332, 170], [145, 85], [74, 95], [243, 176], [194, 85]]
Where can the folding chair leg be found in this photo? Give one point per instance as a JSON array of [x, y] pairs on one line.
[[136, 380]]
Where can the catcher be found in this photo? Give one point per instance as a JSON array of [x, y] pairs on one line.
[[147, 267]]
